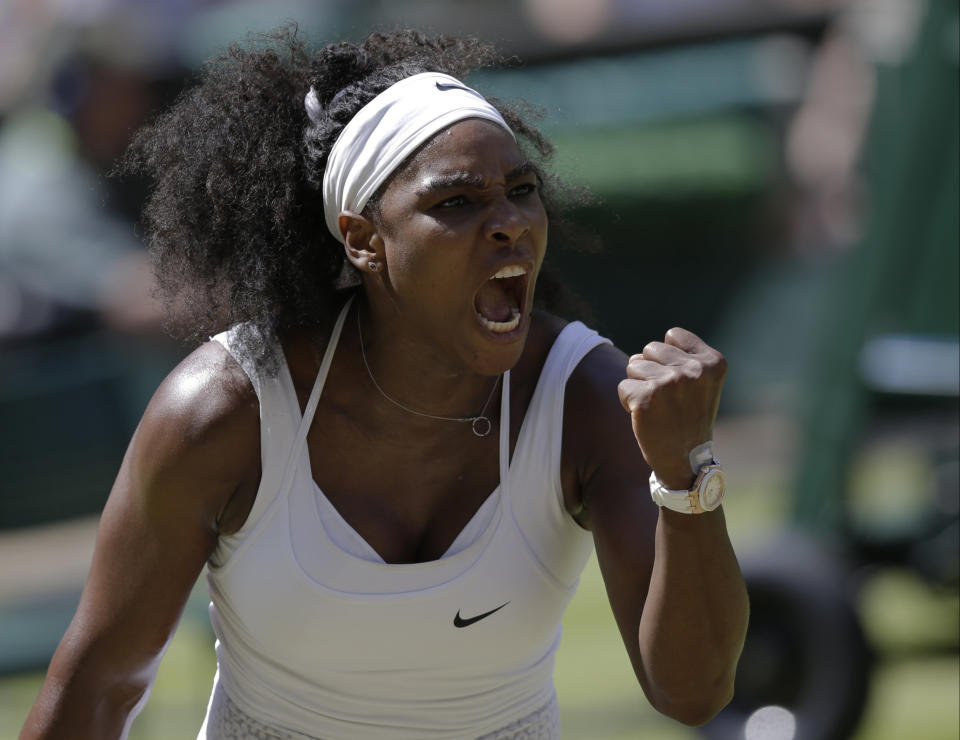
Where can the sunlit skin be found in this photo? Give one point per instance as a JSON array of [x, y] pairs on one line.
[[463, 207]]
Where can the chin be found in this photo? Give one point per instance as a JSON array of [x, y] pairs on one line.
[[499, 351]]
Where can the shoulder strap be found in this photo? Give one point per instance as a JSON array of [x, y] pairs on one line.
[[505, 427], [280, 445], [541, 434], [307, 419], [229, 341], [557, 541], [572, 344]]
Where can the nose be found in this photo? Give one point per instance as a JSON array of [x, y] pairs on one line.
[[506, 222]]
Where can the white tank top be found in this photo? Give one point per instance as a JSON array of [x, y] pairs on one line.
[[317, 634]]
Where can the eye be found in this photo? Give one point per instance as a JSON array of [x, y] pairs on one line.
[[452, 202], [527, 188]]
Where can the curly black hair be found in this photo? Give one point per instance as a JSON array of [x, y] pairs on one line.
[[234, 221]]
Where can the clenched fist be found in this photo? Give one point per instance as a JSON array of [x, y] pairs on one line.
[[672, 391]]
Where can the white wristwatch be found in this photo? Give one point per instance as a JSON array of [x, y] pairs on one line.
[[707, 491]]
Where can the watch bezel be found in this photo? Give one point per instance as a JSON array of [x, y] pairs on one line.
[[707, 474]]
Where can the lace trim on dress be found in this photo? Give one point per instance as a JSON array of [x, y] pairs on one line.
[[227, 721]]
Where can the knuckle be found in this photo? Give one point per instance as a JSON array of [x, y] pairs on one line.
[[721, 363], [693, 369], [680, 337], [675, 375], [633, 394], [716, 362]]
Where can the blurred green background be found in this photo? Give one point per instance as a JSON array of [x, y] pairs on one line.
[[778, 176]]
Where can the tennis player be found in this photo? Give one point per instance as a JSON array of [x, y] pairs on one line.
[[391, 464]]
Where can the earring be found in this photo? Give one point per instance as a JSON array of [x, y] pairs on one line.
[[373, 266]]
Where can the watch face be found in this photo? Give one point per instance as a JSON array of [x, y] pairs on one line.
[[711, 491]]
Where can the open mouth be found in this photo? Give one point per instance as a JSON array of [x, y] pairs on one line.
[[499, 301]]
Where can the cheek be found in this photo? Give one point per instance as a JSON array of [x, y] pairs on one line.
[[426, 241], [423, 270]]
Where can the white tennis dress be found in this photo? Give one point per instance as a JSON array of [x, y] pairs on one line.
[[318, 637]]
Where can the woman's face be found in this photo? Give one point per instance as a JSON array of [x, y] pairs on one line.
[[464, 233]]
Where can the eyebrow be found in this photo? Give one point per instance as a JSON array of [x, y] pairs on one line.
[[466, 179]]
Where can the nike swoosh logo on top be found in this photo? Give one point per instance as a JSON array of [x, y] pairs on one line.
[[451, 86], [459, 621]]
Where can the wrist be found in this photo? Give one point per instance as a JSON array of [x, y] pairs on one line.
[[682, 473], [676, 479], [703, 494]]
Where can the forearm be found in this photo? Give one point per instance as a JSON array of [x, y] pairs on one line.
[[694, 619], [83, 698], [62, 712], [672, 578]]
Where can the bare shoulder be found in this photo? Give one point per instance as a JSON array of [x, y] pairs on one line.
[[594, 370], [206, 391], [199, 436], [591, 398], [601, 459], [592, 386]]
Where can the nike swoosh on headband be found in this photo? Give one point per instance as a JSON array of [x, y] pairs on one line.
[[384, 132], [459, 621], [448, 86]]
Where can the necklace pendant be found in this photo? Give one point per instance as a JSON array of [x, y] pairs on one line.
[[481, 426]]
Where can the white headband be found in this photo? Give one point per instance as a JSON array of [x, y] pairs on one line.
[[387, 130]]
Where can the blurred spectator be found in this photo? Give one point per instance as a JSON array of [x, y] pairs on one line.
[[66, 259], [826, 138], [824, 144]]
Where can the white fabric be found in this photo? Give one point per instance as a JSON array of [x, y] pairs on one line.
[[701, 455], [317, 640], [226, 721], [387, 130]]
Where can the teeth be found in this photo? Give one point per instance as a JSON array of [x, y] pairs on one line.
[[501, 327], [510, 271]]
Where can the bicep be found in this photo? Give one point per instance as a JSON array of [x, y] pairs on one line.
[[611, 486]]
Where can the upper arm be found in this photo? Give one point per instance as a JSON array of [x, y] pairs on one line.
[[605, 483], [196, 446]]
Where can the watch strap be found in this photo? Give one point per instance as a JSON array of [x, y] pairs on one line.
[[701, 455], [703, 464]]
